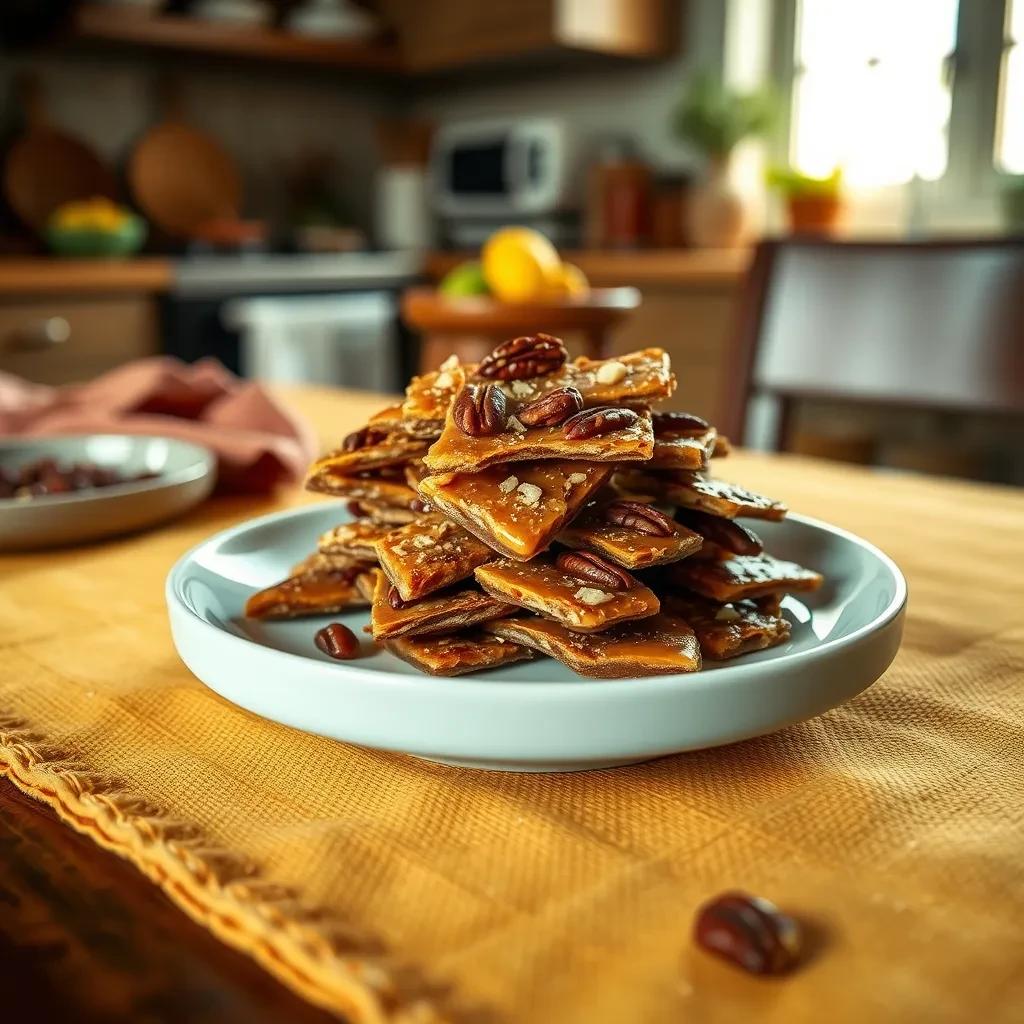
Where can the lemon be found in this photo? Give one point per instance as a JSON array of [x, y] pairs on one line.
[[569, 282], [465, 279], [520, 264]]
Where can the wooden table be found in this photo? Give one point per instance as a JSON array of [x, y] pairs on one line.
[[83, 936]]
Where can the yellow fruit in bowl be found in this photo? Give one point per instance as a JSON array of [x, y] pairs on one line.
[[570, 282], [95, 214], [520, 264]]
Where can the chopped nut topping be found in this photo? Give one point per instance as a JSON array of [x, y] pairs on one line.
[[509, 484], [576, 478], [450, 363], [444, 380], [529, 494], [423, 541], [516, 425], [727, 614], [611, 372], [592, 596], [521, 389]]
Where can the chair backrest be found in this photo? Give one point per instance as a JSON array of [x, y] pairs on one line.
[[936, 324]]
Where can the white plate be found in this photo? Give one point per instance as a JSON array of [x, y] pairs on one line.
[[533, 716], [185, 472]]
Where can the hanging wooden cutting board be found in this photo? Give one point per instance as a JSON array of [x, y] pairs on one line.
[[46, 168], [180, 177]]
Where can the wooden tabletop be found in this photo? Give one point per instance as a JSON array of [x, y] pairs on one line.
[[918, 789], [26, 276]]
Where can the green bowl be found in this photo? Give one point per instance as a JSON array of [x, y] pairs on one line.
[[90, 242]]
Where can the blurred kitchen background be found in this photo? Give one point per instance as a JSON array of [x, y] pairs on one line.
[[285, 185]]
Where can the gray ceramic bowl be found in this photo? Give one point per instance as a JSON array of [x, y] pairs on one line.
[[185, 472]]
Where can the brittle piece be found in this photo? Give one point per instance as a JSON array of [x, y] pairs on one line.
[[373, 486], [457, 655], [429, 554], [355, 540], [690, 453], [394, 449], [443, 612], [626, 546], [428, 397], [456, 451], [516, 510], [693, 490], [319, 563], [383, 512], [660, 645], [309, 593], [637, 378], [729, 630], [582, 605], [743, 576]]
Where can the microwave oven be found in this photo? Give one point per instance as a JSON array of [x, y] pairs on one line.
[[494, 171]]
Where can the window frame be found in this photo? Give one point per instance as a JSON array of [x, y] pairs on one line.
[[975, 64]]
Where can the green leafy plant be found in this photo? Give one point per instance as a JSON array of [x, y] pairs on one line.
[[714, 118], [794, 184]]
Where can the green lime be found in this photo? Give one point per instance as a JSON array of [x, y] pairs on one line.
[[465, 279]]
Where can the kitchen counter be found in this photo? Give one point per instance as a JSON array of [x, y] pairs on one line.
[[21, 277], [699, 267]]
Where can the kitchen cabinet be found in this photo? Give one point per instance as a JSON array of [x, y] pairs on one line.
[[56, 339], [451, 33]]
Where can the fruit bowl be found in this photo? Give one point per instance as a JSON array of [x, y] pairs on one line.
[[86, 242]]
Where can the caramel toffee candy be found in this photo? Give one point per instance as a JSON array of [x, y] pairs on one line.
[[721, 534], [689, 453], [516, 509], [585, 605], [319, 563], [428, 397], [693, 490], [354, 539], [456, 450], [444, 612], [457, 655], [373, 486], [429, 554], [312, 593], [385, 513], [637, 378], [392, 420], [393, 449], [660, 645], [729, 630], [743, 576], [627, 546]]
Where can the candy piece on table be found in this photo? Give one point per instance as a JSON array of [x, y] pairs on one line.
[[660, 645], [586, 600], [694, 490], [634, 537], [354, 540], [518, 509], [428, 396], [429, 554], [446, 612], [729, 630], [597, 435], [457, 655], [311, 593], [745, 576]]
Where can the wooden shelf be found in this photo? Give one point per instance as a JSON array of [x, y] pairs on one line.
[[114, 24], [21, 277]]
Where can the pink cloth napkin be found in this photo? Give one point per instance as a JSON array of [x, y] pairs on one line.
[[258, 443]]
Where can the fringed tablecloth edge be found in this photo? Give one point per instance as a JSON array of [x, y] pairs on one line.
[[319, 957]]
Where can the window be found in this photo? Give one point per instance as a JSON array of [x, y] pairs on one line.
[[1010, 129], [872, 90]]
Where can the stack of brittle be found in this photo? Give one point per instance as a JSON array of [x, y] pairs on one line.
[[535, 504]]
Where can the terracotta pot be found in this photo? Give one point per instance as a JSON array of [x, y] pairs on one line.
[[716, 216], [814, 215]]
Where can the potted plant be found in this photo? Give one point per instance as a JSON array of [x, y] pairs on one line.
[[714, 119], [815, 205]]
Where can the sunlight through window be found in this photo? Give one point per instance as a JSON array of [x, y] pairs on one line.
[[871, 93], [1010, 134]]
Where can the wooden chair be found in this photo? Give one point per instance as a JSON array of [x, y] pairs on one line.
[[933, 325]]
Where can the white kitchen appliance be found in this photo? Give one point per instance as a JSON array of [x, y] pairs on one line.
[[492, 172]]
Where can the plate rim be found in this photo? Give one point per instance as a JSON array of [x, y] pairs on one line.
[[518, 689], [205, 463]]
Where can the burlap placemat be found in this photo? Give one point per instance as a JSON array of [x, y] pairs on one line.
[[391, 889]]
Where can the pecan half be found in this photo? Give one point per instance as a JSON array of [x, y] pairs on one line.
[[726, 533], [395, 599], [679, 424], [419, 505], [749, 931], [479, 410], [591, 568], [594, 422], [360, 439], [337, 641], [554, 408], [532, 355], [641, 518]]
